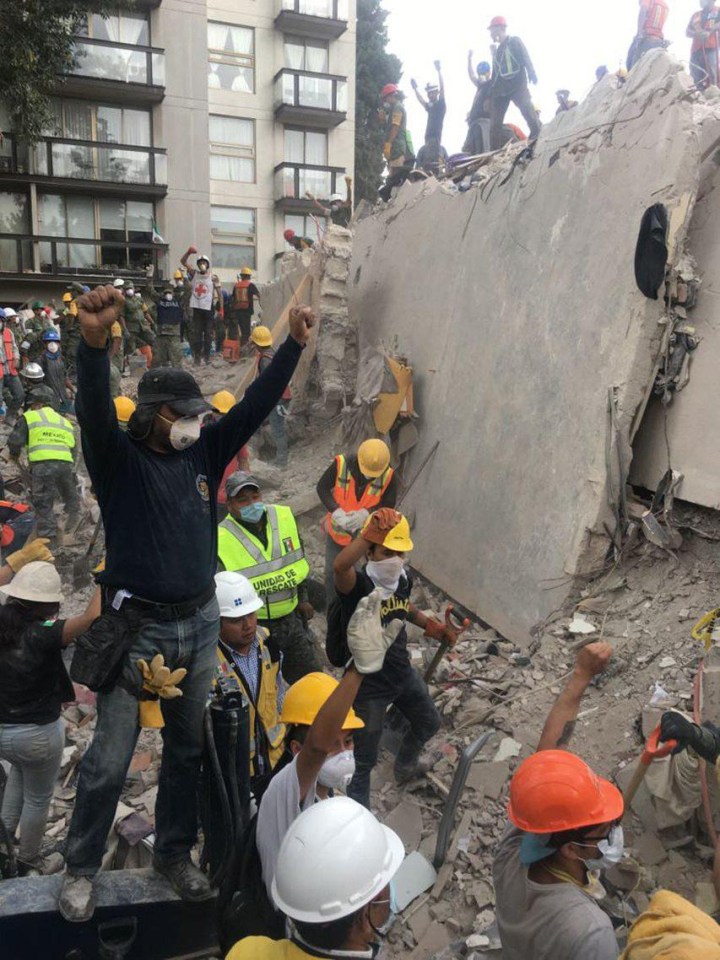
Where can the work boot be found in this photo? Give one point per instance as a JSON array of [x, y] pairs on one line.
[[186, 879], [413, 768], [42, 866], [76, 902]]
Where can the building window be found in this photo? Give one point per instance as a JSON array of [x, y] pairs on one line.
[[14, 219], [233, 237], [232, 149], [120, 27], [312, 55], [306, 146], [79, 120], [231, 55]]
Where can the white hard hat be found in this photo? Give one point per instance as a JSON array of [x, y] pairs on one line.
[[37, 581], [9, 312], [337, 197], [333, 860], [33, 371], [235, 595], [119, 282], [201, 256]]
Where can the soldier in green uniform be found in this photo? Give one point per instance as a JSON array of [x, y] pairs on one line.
[[31, 345], [69, 334], [167, 314], [139, 331]]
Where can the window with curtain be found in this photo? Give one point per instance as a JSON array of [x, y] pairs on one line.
[[14, 212], [306, 146], [122, 27], [312, 55], [231, 57], [232, 149], [233, 237]]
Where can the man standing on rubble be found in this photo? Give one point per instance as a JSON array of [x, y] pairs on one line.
[[434, 106], [564, 826], [397, 152], [202, 293], [351, 488], [157, 490], [703, 31], [512, 69], [478, 119], [262, 542], [649, 36]]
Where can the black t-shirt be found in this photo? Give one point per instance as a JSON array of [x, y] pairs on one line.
[[389, 681], [33, 679], [435, 120], [341, 216]]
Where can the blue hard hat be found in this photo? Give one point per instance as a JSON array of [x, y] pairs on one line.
[[484, 67], [2, 314], [86, 288], [51, 335]]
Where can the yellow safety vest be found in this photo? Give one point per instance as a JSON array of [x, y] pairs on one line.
[[50, 436], [264, 719], [275, 571], [261, 948]]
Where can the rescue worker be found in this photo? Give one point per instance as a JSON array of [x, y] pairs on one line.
[[385, 542], [183, 291], [244, 295], [334, 871], [223, 402], [31, 345], [10, 361], [124, 409], [434, 106], [243, 651], [31, 375], [50, 443], [69, 333], [512, 69], [262, 338], [649, 36], [397, 152], [140, 336], [478, 119], [262, 542], [703, 31], [158, 588], [340, 209], [298, 243], [564, 102], [564, 826], [200, 306], [168, 317], [52, 364], [350, 489]]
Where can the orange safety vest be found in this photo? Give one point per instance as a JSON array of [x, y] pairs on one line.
[[8, 344], [345, 496], [241, 297], [657, 13]]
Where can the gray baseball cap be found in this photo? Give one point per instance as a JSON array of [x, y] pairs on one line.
[[238, 481]]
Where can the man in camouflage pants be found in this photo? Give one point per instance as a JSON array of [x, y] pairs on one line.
[[168, 316], [139, 331]]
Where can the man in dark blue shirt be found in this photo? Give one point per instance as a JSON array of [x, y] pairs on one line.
[[157, 489]]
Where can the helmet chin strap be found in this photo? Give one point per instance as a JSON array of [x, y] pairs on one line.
[[332, 954]]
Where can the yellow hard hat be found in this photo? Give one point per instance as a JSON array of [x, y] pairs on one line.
[[261, 337], [67, 298], [223, 401], [246, 272], [399, 537], [124, 408], [178, 275], [305, 697], [373, 457]]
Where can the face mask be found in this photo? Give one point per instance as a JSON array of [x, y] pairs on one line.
[[183, 432], [611, 850], [203, 269], [130, 293], [337, 771], [53, 347], [386, 574], [253, 512], [533, 848], [168, 297]]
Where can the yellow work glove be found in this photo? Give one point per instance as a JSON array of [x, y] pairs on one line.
[[158, 681], [34, 550], [387, 150]]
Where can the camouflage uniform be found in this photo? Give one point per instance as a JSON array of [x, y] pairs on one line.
[[139, 331], [34, 329], [70, 338]]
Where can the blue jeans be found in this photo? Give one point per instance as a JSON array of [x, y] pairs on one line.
[[35, 752], [188, 643], [279, 435]]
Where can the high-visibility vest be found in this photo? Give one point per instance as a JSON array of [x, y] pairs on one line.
[[275, 571], [241, 297], [657, 13], [50, 436], [9, 350], [266, 732], [345, 496]]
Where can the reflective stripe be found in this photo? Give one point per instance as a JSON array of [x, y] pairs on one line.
[[50, 436]]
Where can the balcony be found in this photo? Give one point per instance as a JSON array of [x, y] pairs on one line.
[[67, 257], [310, 99], [324, 19], [118, 72], [292, 180], [71, 164]]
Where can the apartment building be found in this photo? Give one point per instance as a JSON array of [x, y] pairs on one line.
[[185, 122]]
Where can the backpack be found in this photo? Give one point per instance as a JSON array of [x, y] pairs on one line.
[[336, 647]]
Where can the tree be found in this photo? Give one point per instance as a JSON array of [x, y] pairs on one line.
[[374, 68], [38, 48]]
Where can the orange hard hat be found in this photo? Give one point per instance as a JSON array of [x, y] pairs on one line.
[[497, 22], [554, 790], [388, 90]]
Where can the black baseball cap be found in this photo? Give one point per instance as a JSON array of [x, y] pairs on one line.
[[177, 388]]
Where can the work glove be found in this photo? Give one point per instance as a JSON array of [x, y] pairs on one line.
[[355, 520], [340, 519], [161, 680], [704, 740], [435, 630], [379, 524], [387, 150], [367, 641], [413, 84], [34, 550]]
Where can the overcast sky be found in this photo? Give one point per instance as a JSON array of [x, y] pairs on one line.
[[563, 41]]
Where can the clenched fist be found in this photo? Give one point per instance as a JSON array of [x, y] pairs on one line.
[[302, 320], [97, 312]]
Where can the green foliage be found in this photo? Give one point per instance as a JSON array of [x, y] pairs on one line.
[[375, 67], [38, 45]]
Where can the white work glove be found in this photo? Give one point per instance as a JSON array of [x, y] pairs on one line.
[[367, 641], [355, 520], [340, 519]]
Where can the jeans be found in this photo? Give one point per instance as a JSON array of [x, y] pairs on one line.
[[416, 705], [186, 643], [332, 550], [35, 752], [498, 108], [279, 435]]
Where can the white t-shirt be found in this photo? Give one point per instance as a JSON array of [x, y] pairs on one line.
[[202, 291], [279, 808], [555, 921]]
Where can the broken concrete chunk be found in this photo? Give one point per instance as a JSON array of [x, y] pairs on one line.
[[406, 821], [508, 749], [580, 626]]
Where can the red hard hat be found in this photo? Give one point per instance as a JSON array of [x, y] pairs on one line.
[[389, 89], [554, 790], [289, 234], [497, 22]]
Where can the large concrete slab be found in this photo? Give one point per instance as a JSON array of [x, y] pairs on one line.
[[518, 307]]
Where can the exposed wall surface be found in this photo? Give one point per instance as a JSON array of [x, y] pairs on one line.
[[517, 305]]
